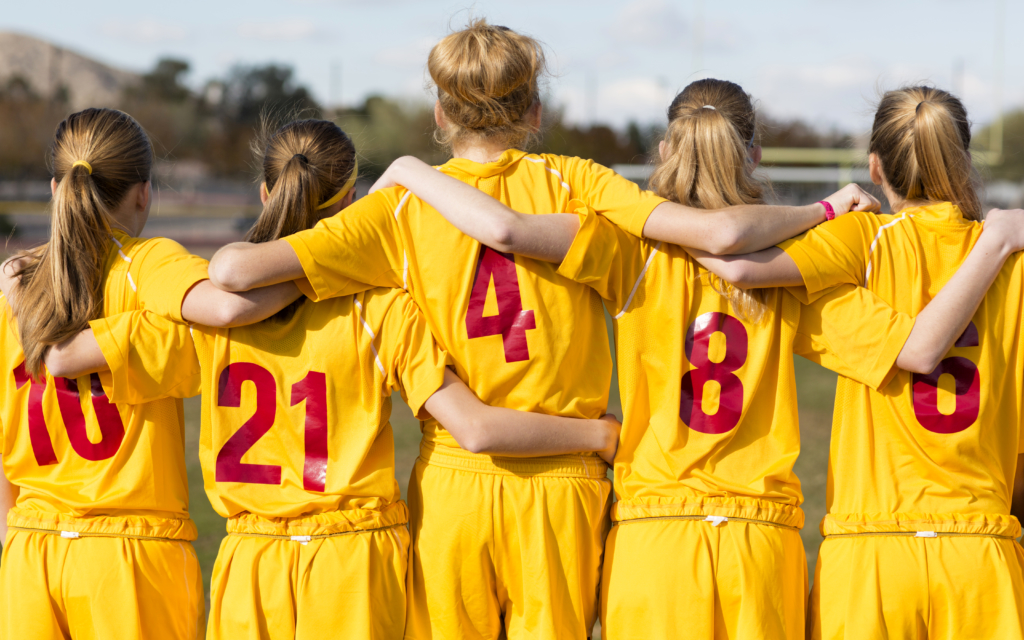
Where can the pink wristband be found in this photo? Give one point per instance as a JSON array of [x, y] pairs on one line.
[[830, 213]]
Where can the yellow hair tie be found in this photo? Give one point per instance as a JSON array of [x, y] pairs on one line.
[[344, 189], [88, 167]]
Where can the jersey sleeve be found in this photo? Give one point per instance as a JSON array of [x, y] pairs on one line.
[[357, 249], [606, 258], [853, 332], [612, 196], [164, 273], [835, 252], [413, 362], [150, 357]]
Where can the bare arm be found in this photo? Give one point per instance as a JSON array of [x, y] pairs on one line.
[[75, 357], [241, 266], [8, 496], [766, 268], [481, 217], [747, 228], [480, 428], [946, 317], [207, 305]]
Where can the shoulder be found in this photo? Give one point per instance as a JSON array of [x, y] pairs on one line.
[[150, 248]]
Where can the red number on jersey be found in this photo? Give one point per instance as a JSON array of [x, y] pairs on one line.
[[968, 391], [230, 467], [730, 402], [511, 322], [313, 389], [38, 435], [70, 406], [111, 427]]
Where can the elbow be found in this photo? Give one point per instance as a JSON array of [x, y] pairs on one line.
[[918, 363], [727, 239], [57, 364], [226, 272], [476, 439], [503, 237]]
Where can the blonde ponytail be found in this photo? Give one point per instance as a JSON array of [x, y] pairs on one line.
[[711, 127], [97, 155], [922, 137]]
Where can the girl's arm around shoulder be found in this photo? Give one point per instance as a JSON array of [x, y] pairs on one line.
[[544, 237], [480, 428], [946, 317], [241, 266], [208, 305], [747, 228]]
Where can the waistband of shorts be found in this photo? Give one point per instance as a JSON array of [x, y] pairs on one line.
[[134, 526], [569, 466], [921, 524], [321, 525], [739, 508]]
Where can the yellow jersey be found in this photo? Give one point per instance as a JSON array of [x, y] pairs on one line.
[[295, 412], [520, 335], [932, 452], [709, 399], [84, 463]]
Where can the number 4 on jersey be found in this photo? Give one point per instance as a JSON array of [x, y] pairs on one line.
[[511, 322]]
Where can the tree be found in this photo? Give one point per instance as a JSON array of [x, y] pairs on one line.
[[1012, 166]]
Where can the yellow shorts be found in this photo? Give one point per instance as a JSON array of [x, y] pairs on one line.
[[99, 588], [344, 585], [684, 577], [505, 547], [901, 586]]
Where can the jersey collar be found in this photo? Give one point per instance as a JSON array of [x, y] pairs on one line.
[[462, 165], [940, 212]]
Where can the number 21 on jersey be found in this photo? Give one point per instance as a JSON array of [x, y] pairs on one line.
[[312, 390]]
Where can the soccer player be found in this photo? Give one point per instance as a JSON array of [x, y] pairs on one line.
[[500, 545], [296, 447], [97, 544], [708, 511], [919, 536]]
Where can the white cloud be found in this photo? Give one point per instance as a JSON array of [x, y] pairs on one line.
[[409, 54], [282, 30], [653, 23], [617, 102], [147, 31]]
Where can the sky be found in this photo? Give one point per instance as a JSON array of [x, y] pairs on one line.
[[611, 62]]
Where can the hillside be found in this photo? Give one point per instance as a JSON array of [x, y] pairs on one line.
[[48, 67]]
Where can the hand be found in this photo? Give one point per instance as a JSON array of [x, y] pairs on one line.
[[612, 424], [391, 175], [853, 198], [1007, 226]]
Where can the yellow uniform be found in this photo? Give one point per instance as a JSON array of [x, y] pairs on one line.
[[708, 511], [98, 543], [298, 454], [513, 543], [919, 540]]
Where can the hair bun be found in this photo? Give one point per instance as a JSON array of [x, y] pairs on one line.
[[486, 78]]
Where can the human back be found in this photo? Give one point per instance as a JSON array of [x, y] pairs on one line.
[[520, 335], [101, 462], [102, 486], [943, 443]]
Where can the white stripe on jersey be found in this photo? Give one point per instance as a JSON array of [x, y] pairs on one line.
[[373, 337], [874, 243], [632, 293]]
